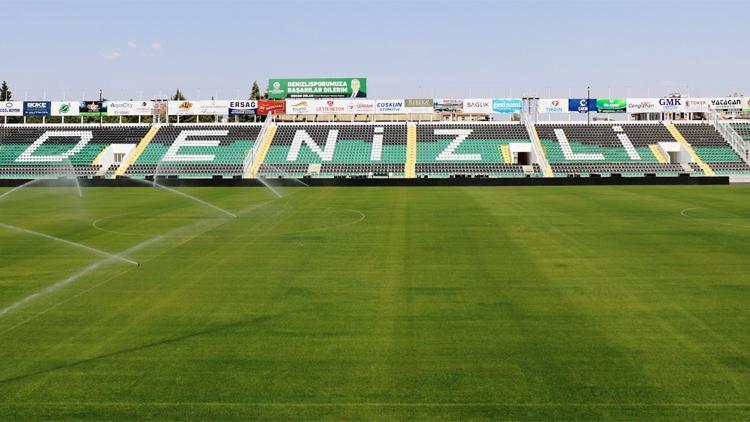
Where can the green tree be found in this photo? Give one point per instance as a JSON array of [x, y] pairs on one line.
[[255, 91], [178, 96], [5, 94]]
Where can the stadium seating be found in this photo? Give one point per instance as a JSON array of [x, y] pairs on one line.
[[743, 129], [470, 149], [336, 149], [61, 151], [606, 149], [369, 149], [222, 152], [708, 143]]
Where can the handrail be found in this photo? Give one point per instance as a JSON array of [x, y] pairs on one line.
[[535, 144], [250, 158], [733, 138]]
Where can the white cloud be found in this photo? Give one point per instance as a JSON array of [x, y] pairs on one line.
[[156, 46], [132, 44], [111, 56]]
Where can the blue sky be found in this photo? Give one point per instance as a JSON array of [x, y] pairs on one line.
[[418, 48]]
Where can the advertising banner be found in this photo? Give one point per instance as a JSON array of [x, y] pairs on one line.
[[271, 106], [611, 105], [346, 106], [671, 105], [182, 108], [746, 104], [11, 108], [213, 107], [696, 105], [130, 108], [507, 105], [243, 108], [37, 108], [477, 106], [394, 106], [643, 105], [65, 108], [93, 108], [582, 105], [317, 88], [552, 105], [726, 103], [448, 105], [419, 106]]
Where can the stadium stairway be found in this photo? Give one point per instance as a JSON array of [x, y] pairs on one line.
[[543, 162], [505, 150], [138, 151], [657, 153], [696, 158], [411, 152], [262, 151]]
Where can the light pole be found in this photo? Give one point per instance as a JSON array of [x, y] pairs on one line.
[[100, 107]]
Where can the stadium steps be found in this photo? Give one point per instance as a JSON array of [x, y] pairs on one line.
[[657, 153], [505, 150], [411, 152], [262, 151], [696, 158], [98, 158], [137, 151], [103, 170], [547, 171]]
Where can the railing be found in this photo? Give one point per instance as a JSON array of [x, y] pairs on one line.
[[536, 144], [739, 145], [250, 159]]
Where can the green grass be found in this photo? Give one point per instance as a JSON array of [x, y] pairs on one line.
[[379, 303]]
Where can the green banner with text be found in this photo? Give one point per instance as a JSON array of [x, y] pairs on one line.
[[317, 88]]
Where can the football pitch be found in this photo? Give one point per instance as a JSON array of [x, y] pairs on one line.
[[376, 303]]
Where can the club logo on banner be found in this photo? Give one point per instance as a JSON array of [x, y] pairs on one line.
[[507, 105], [552, 105], [727, 103], [11, 108], [130, 108], [478, 106], [582, 105], [37, 108], [390, 106], [243, 108], [271, 106], [65, 108]]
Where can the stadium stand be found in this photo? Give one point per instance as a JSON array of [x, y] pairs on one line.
[[54, 151], [743, 129], [606, 149], [193, 151], [368, 149], [336, 149], [474, 149], [708, 143]]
